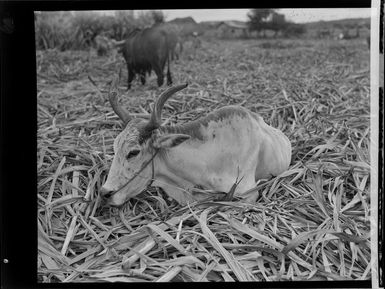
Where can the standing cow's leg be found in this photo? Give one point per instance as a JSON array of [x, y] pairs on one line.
[[131, 75], [143, 77], [159, 74], [169, 80]]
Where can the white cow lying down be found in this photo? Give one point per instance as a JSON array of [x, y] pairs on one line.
[[211, 152]]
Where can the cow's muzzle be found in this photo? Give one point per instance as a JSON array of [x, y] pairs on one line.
[[106, 196]]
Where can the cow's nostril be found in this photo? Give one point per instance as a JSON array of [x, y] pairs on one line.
[[106, 193]]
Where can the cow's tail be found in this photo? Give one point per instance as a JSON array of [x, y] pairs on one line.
[[169, 80]]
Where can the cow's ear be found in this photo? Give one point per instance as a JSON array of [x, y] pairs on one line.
[[169, 140]]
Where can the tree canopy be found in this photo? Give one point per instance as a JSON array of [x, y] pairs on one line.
[[261, 19], [258, 18]]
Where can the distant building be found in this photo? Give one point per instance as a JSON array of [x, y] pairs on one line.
[[232, 29], [225, 29], [183, 20]]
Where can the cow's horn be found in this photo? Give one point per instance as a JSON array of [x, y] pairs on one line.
[[156, 116], [113, 97]]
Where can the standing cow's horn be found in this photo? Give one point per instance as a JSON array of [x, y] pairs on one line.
[[116, 43], [113, 97], [156, 115]]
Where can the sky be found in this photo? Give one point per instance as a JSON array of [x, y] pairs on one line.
[[295, 15]]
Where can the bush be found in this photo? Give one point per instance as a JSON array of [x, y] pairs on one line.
[[77, 30], [294, 29], [53, 30]]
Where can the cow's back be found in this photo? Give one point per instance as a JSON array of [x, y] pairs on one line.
[[145, 46], [151, 45], [226, 142]]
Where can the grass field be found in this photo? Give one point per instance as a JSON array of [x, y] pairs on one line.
[[310, 223]]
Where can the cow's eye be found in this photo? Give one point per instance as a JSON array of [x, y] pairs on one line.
[[132, 153]]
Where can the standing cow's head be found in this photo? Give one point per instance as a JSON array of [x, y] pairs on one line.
[[135, 148]]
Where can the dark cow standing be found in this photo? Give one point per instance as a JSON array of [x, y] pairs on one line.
[[147, 50]]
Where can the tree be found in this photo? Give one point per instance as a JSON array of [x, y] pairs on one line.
[[124, 23], [258, 19], [147, 18], [158, 16], [277, 22]]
